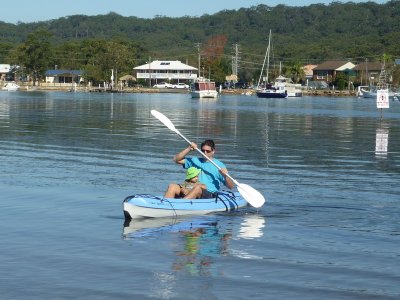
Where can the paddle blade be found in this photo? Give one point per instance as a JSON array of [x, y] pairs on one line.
[[163, 119], [251, 195]]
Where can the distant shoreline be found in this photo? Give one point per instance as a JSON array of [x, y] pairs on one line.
[[30, 88]]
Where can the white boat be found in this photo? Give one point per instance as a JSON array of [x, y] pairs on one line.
[[286, 84], [203, 88], [360, 90], [269, 91], [10, 86], [383, 84], [373, 93]]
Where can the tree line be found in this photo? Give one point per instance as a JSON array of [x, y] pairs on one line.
[[309, 34]]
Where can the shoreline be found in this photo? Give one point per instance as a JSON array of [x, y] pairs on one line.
[[249, 92]]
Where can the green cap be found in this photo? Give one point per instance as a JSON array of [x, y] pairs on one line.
[[192, 172]]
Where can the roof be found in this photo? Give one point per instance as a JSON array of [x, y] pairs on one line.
[[369, 66], [338, 65], [308, 70], [63, 72], [165, 65], [127, 78]]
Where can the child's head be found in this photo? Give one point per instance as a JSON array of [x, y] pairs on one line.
[[192, 174]]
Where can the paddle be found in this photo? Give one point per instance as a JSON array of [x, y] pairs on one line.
[[251, 195]]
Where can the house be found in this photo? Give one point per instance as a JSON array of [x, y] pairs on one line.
[[328, 70], [4, 71], [308, 71], [160, 70], [368, 72], [64, 76]]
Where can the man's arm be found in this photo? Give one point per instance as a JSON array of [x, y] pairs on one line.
[[228, 182], [180, 157]]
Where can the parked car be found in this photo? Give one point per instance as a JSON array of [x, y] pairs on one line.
[[162, 85], [180, 85]]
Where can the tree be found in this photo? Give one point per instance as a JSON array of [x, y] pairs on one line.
[[34, 55], [100, 56], [341, 81], [295, 71], [214, 62]]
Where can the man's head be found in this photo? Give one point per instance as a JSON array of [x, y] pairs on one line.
[[208, 147]]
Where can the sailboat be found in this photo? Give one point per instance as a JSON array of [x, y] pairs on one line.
[[269, 91], [382, 85]]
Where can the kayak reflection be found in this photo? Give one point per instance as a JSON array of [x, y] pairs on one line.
[[250, 226], [200, 240], [154, 226]]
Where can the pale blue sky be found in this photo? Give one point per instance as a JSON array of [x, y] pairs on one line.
[[26, 11]]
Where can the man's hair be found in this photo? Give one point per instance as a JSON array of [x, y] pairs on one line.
[[208, 143]]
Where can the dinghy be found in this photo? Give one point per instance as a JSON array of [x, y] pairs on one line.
[[149, 206]]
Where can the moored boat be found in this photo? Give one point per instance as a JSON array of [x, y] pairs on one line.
[[10, 86], [271, 92], [203, 88], [373, 93], [286, 84], [149, 206], [382, 84]]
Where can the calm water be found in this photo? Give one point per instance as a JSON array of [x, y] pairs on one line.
[[329, 168]]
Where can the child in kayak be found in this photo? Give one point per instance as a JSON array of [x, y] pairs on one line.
[[183, 189]]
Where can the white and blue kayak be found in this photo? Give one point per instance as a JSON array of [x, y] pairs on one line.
[[149, 206]]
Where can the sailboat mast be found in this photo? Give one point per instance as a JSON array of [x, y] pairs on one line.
[[265, 58], [269, 49]]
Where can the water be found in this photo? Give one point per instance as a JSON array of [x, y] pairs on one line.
[[329, 168]]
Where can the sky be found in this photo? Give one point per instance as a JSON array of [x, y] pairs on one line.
[[27, 11]]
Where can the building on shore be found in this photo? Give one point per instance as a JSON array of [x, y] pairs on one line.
[[328, 70], [64, 76], [169, 71]]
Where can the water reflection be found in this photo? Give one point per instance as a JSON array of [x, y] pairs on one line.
[[382, 140], [252, 227], [201, 240], [200, 247]]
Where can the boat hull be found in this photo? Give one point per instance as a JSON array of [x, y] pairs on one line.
[[204, 94], [271, 94], [10, 87], [374, 94], [148, 206]]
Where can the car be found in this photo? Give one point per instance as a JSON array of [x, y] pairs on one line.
[[180, 85], [162, 85]]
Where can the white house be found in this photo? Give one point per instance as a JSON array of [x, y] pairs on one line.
[[4, 70], [64, 76], [161, 70]]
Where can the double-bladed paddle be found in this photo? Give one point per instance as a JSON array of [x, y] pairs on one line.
[[251, 195]]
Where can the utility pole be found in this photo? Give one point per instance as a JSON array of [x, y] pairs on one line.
[[235, 61]]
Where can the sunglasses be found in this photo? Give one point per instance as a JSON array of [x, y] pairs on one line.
[[206, 150]]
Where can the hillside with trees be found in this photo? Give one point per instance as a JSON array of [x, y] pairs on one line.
[[300, 35]]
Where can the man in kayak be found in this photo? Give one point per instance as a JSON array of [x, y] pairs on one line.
[[210, 176]]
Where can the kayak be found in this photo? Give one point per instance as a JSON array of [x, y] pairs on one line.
[[149, 206]]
